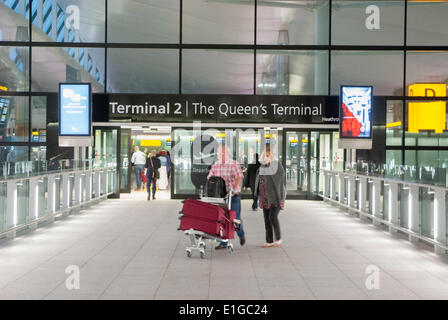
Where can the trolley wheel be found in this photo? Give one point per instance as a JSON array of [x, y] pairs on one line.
[[202, 252], [188, 253], [230, 247]]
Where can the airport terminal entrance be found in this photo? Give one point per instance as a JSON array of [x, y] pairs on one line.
[[303, 154]]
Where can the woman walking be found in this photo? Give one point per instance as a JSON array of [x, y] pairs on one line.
[[270, 186]]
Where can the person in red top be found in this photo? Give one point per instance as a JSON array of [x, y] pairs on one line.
[[230, 171]]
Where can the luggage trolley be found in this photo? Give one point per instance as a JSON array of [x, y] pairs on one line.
[[198, 238]]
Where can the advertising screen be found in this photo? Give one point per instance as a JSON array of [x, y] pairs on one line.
[[4, 107], [356, 112], [74, 109]]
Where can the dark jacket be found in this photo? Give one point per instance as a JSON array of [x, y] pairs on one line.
[[152, 169], [275, 182], [251, 175]]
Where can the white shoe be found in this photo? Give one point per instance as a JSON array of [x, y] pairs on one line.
[[277, 243], [268, 245]]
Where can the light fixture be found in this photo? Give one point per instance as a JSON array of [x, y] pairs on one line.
[[436, 219], [410, 211], [36, 202], [15, 207]]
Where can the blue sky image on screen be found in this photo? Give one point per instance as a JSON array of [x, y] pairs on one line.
[[75, 109], [358, 101]]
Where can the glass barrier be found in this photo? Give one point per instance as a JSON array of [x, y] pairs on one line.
[[410, 173], [3, 197], [26, 197]]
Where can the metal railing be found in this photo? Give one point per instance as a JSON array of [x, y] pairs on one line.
[[29, 197], [414, 208]]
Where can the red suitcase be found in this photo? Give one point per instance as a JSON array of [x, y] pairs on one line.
[[208, 218]]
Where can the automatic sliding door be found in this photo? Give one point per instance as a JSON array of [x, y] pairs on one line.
[[296, 159]]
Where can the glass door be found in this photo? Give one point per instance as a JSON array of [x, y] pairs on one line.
[[125, 159], [306, 154], [106, 148], [320, 159], [296, 163]]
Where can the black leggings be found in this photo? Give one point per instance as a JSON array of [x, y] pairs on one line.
[[272, 224]]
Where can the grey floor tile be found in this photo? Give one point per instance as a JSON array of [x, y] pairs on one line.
[[126, 251]]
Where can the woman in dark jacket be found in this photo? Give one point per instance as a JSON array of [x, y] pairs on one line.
[[152, 170], [270, 186]]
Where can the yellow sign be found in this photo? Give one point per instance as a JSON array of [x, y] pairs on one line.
[[427, 115], [150, 143], [3, 88], [393, 124], [427, 90]]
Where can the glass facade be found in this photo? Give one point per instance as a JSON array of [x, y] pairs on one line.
[[270, 47]]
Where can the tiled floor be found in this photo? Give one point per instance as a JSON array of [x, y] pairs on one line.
[[131, 249]]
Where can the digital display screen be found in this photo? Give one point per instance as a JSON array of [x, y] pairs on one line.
[[356, 112], [4, 106], [74, 109]]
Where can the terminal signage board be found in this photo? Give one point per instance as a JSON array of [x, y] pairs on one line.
[[223, 108]]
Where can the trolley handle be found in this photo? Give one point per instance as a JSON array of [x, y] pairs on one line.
[[229, 200]]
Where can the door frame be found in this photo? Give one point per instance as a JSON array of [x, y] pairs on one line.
[[115, 195], [308, 194], [129, 174]]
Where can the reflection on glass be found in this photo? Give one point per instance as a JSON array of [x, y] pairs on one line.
[[14, 119], [292, 22], [337, 157], [13, 27], [381, 69], [201, 67], [223, 22], [149, 21], [14, 66], [292, 72], [54, 65], [68, 21], [367, 22], [38, 119], [189, 175], [143, 70], [426, 67], [394, 128], [426, 126], [427, 23]]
